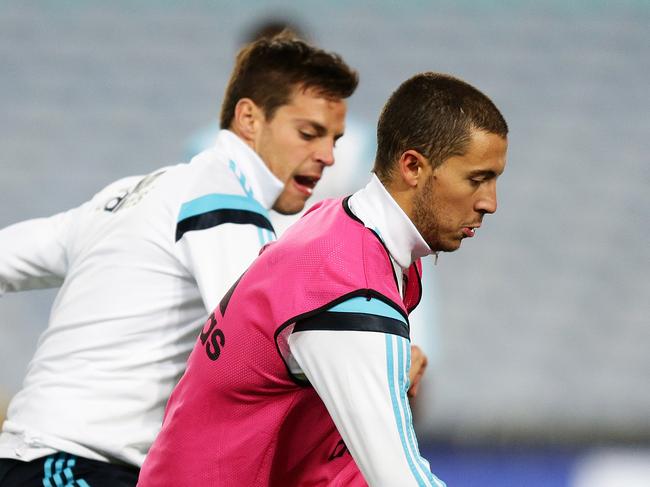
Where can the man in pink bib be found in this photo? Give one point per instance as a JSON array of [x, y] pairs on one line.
[[300, 376]]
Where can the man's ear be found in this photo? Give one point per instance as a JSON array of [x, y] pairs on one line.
[[414, 168], [247, 120]]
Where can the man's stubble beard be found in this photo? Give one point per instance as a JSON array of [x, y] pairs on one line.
[[427, 211]]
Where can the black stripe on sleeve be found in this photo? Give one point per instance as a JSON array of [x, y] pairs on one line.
[[338, 321], [219, 217]]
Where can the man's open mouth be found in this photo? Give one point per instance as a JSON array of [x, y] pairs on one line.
[[306, 181]]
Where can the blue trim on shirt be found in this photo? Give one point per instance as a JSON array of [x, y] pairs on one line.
[[399, 366], [219, 217], [59, 471], [47, 471], [367, 306], [216, 201], [241, 178], [395, 396]]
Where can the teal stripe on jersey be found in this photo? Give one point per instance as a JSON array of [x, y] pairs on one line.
[[67, 471], [396, 369], [404, 385], [265, 236], [394, 396], [373, 306], [58, 467], [215, 201], [47, 471], [53, 476], [241, 178], [57, 476]]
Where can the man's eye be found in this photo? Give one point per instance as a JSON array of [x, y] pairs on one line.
[[307, 135]]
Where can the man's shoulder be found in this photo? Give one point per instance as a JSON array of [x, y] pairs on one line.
[[324, 258], [207, 173], [123, 184], [330, 237], [333, 219], [212, 163]]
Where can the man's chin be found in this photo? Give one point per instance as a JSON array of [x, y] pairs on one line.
[[288, 207], [445, 246], [452, 247]]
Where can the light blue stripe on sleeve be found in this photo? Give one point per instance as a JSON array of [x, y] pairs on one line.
[[373, 306], [260, 236], [391, 340], [215, 201], [396, 369], [265, 236], [421, 462]]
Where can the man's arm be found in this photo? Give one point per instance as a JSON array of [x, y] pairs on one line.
[[357, 358], [33, 253], [217, 238]]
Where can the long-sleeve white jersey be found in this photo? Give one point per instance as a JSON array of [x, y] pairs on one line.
[[362, 376], [140, 265]]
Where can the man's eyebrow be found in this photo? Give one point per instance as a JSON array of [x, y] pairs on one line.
[[320, 129], [486, 173]]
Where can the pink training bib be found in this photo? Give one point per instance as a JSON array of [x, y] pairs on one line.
[[238, 417]]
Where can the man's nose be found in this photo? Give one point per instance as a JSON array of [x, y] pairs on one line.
[[325, 152], [487, 202]]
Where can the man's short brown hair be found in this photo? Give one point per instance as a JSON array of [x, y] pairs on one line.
[[268, 70], [433, 114]]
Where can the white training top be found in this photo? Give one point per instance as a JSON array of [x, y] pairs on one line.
[[140, 265], [362, 376]]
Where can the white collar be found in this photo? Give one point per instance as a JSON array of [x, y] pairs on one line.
[[377, 209], [249, 167]]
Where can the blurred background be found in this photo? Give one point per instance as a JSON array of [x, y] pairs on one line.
[[538, 330]]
